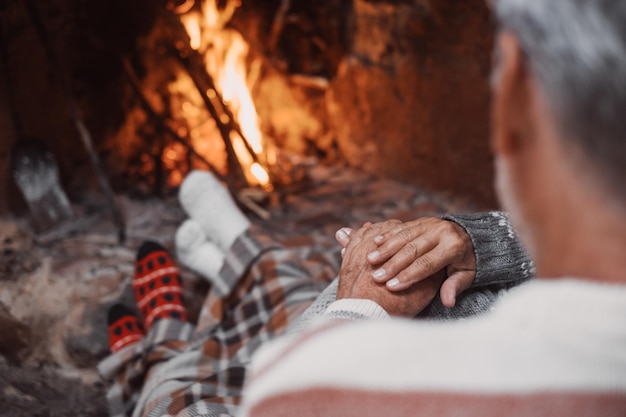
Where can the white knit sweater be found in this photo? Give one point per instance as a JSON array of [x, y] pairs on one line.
[[546, 348]]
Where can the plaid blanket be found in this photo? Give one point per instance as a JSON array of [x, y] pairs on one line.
[[184, 370]]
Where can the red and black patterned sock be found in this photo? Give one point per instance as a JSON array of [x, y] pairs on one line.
[[158, 286], [124, 327]]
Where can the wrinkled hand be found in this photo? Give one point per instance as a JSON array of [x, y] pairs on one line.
[[355, 278], [404, 254]]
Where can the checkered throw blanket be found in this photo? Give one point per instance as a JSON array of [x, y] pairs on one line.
[[184, 370]]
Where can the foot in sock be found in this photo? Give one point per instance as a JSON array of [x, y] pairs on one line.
[[158, 286], [209, 203], [124, 328], [196, 251]]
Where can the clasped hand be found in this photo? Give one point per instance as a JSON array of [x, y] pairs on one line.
[[401, 266]]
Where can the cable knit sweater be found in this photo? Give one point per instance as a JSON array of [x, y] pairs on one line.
[[501, 263]]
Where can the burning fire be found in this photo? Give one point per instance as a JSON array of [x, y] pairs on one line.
[[225, 51]]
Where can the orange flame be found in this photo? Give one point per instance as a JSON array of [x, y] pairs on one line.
[[225, 61], [191, 22]]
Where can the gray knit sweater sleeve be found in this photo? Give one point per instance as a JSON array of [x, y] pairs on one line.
[[501, 263], [501, 259]]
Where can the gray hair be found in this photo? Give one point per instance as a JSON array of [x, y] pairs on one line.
[[577, 51]]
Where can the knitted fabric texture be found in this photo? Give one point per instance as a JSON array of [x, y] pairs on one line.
[[209, 203], [124, 328], [197, 252], [158, 285], [500, 255]]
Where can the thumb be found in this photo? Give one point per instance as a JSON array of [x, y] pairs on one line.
[[454, 285], [343, 236]]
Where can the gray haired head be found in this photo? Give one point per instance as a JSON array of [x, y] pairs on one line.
[[577, 51]]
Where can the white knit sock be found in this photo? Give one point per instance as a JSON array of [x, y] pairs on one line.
[[196, 252], [209, 203]]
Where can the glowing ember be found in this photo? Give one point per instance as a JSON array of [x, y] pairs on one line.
[[260, 173], [225, 52], [172, 158], [192, 24]]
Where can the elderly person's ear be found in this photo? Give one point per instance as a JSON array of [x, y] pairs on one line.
[[513, 95]]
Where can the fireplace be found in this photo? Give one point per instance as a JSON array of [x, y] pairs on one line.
[[395, 88], [315, 114]]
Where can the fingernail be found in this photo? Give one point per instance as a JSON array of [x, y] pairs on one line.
[[379, 273], [341, 234], [347, 231], [378, 239], [393, 283], [373, 256], [343, 252]]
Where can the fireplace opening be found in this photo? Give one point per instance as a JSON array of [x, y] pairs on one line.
[[397, 89], [315, 115]]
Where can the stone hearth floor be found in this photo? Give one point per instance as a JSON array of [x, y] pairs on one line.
[[61, 289]]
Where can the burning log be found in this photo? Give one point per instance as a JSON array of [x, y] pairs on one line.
[[162, 124], [245, 197], [203, 82], [213, 57], [192, 62]]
